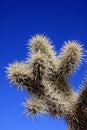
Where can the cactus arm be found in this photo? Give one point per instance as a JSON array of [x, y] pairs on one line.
[[69, 58], [18, 73]]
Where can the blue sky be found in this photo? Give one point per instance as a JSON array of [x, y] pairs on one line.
[[61, 20]]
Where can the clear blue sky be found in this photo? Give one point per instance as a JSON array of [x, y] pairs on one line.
[[61, 20]]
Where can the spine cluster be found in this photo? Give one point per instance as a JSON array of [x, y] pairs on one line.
[[45, 74]]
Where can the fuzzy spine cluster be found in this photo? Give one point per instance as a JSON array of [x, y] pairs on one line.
[[46, 76]]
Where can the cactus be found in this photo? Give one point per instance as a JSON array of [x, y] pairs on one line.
[[46, 76]]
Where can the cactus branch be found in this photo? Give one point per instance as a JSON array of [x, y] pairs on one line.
[[46, 76]]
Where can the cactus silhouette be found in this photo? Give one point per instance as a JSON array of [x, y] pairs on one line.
[[46, 76]]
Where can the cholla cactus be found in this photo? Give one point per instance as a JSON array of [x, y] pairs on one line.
[[46, 76]]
